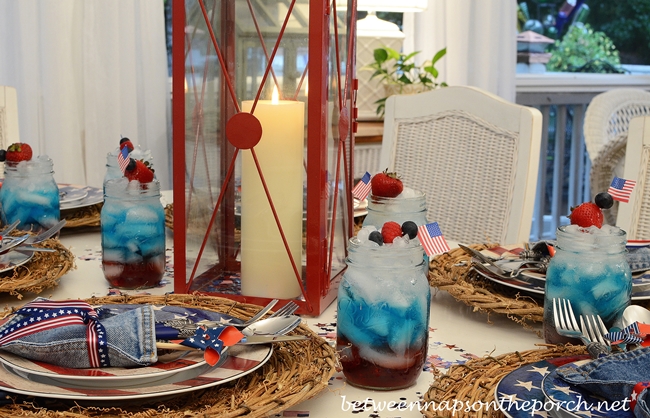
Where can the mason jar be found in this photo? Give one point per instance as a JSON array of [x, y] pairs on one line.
[[30, 194], [383, 315], [112, 168], [396, 209], [591, 271], [133, 234]]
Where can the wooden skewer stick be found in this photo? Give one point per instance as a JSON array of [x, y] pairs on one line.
[[174, 346]]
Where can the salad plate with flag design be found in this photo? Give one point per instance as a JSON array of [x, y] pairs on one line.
[[241, 361]]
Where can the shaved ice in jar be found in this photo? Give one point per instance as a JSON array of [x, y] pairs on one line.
[[133, 234], [30, 194], [589, 269], [383, 312]]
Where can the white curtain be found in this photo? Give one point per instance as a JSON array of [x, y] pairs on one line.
[[87, 72], [480, 36]]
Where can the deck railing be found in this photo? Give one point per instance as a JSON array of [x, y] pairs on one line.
[[563, 179], [563, 98]]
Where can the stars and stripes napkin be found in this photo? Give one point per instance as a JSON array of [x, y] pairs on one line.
[[69, 333]]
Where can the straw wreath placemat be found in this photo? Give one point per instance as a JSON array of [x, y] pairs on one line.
[[43, 271], [452, 272], [296, 372], [83, 216], [474, 382]]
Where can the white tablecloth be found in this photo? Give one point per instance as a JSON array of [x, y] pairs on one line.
[[457, 334]]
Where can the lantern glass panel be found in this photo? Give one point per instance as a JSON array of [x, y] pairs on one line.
[[221, 202]]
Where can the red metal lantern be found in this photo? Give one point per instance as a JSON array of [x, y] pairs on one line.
[[262, 201]]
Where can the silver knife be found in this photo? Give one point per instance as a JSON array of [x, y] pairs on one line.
[[253, 339], [266, 339]]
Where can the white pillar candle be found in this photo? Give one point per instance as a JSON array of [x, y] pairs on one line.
[[266, 269]]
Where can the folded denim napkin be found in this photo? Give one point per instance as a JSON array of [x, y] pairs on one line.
[[612, 377], [70, 334]]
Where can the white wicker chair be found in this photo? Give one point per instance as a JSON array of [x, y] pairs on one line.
[[475, 155], [605, 128], [634, 216]]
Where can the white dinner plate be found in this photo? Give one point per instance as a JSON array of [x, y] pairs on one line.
[[69, 193], [191, 364], [532, 287], [242, 360], [93, 195], [533, 282]]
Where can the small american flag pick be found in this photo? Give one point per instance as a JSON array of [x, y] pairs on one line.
[[432, 239], [621, 189], [363, 187], [213, 341], [123, 158]]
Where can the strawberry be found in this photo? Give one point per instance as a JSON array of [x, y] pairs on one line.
[[587, 214], [390, 231], [386, 184], [126, 142], [139, 170], [19, 152]]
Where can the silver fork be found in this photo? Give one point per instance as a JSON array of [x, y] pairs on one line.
[[287, 309], [565, 321], [594, 329], [566, 325], [35, 239]]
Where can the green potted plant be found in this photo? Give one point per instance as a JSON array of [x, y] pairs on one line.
[[400, 75], [583, 50]]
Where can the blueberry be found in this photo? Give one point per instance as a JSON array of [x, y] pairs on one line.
[[410, 228], [376, 237], [3, 155], [604, 200], [123, 140]]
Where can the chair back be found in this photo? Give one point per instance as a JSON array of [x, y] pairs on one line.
[[475, 155], [606, 125], [634, 216], [608, 115]]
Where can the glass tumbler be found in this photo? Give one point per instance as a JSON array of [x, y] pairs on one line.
[[396, 209], [383, 315], [30, 194], [133, 234], [591, 271]]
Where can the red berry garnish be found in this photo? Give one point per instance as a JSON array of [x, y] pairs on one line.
[[390, 231], [18, 152], [587, 214], [386, 184], [139, 170]]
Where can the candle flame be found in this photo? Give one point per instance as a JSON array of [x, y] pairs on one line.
[[275, 96]]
